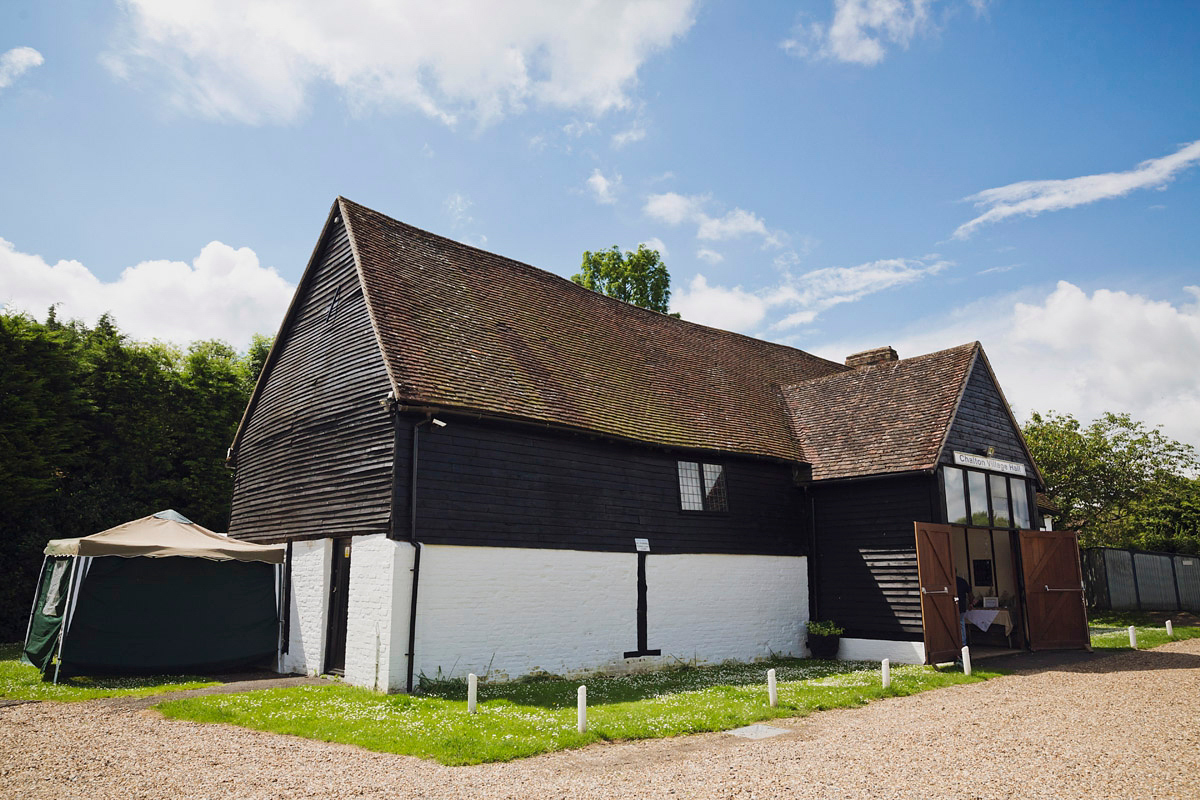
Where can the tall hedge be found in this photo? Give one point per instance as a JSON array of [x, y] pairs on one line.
[[97, 429]]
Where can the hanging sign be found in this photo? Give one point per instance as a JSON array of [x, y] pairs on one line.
[[993, 464]]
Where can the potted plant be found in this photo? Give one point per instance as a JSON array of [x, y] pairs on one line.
[[824, 637]]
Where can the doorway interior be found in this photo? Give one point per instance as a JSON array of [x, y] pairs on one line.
[[989, 560], [339, 608]]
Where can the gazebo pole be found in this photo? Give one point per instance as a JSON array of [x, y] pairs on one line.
[[62, 627]]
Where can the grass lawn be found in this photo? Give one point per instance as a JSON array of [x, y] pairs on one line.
[[1110, 630], [535, 716], [22, 682]]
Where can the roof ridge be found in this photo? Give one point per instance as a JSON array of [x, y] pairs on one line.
[[572, 286], [867, 369]]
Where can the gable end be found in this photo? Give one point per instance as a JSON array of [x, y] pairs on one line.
[[314, 451], [983, 419]]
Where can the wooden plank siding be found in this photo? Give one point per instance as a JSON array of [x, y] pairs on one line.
[[315, 455], [486, 483], [982, 420], [866, 558]]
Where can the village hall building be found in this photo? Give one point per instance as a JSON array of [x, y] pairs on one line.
[[479, 466]]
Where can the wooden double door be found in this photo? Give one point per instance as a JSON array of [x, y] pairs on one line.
[[1051, 591]]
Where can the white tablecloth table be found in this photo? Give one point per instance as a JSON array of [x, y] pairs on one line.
[[984, 618]]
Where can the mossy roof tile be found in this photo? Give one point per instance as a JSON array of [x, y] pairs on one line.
[[879, 419], [465, 329]]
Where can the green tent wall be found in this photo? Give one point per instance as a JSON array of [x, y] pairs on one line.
[[161, 614]]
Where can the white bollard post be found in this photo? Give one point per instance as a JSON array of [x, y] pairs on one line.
[[887, 672], [1133, 637], [581, 703], [772, 690], [1170, 630], [472, 691], [966, 658]]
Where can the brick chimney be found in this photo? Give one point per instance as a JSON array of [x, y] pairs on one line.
[[880, 355]]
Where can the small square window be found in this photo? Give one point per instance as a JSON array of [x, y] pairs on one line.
[[702, 487]]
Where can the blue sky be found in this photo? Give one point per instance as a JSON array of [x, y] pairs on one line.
[[833, 174]]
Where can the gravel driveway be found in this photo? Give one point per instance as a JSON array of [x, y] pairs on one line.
[[1122, 726]]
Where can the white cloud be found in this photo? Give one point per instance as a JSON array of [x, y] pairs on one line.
[[634, 133], [731, 309], [675, 209], [822, 289], [709, 256], [1030, 198], [576, 128], [604, 189], [799, 299], [224, 294], [734, 224], [458, 206], [259, 61], [655, 243], [1077, 353], [16, 62], [860, 29]]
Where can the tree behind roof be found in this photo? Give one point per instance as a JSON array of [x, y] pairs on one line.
[[640, 277]]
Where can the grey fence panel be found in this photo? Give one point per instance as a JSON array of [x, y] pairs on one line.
[[1095, 578], [1121, 591], [1155, 581], [1187, 575], [1128, 580]]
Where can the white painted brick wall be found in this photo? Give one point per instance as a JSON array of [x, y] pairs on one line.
[[370, 642], [507, 612], [879, 649], [712, 608], [308, 606]]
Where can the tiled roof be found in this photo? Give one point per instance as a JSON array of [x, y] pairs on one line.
[[464, 329], [888, 417]]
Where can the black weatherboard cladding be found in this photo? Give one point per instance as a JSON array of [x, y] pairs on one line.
[[485, 483], [982, 421], [866, 556], [315, 455]]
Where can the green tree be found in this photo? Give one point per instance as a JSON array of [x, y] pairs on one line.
[[1167, 518], [256, 357], [1110, 479], [640, 278]]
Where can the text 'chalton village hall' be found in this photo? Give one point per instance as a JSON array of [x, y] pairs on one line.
[[478, 466]]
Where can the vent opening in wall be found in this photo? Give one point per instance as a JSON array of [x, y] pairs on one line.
[[333, 301]]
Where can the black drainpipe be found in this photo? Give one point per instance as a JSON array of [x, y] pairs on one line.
[[412, 539], [814, 574]]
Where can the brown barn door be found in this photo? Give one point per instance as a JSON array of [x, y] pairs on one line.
[[1053, 590], [939, 606], [339, 608]]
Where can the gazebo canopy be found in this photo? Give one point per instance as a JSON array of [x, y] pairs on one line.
[[167, 533]]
